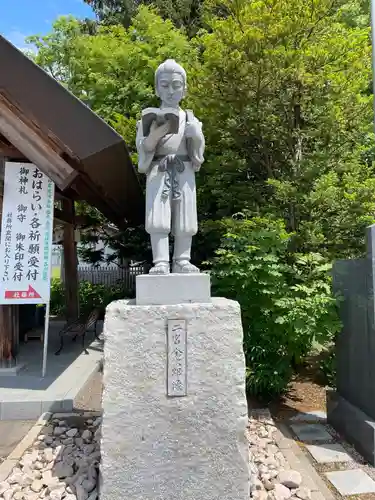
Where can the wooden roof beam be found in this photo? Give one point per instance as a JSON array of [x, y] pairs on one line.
[[7, 150], [34, 147]]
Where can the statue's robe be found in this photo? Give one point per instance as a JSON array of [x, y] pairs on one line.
[[173, 209]]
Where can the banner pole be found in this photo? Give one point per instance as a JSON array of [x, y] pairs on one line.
[[45, 339]]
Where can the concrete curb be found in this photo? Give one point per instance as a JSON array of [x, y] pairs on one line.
[[298, 461], [15, 456]]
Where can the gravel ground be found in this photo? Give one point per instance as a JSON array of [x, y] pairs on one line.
[[272, 477], [61, 464]]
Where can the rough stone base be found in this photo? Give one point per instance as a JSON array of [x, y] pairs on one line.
[[357, 427], [153, 289], [186, 448]]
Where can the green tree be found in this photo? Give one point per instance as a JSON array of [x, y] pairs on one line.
[[112, 71], [282, 88], [283, 91], [186, 14]]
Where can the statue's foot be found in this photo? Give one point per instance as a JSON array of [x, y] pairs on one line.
[[160, 268], [184, 267]]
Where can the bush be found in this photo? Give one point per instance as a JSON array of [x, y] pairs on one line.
[[57, 306], [286, 300], [90, 296], [328, 367]]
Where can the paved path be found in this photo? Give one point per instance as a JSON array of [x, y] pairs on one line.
[[341, 467], [11, 433]]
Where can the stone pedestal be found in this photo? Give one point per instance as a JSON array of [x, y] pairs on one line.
[[170, 289], [158, 447]]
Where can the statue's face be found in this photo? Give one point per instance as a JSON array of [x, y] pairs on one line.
[[171, 88]]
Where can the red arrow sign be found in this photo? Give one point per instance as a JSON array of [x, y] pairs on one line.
[[28, 294]]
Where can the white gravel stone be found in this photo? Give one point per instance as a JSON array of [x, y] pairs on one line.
[[280, 492], [4, 485], [268, 484], [7, 495], [49, 454], [48, 478], [256, 485], [303, 493], [290, 478], [15, 478], [57, 494], [260, 495], [37, 485], [30, 495]]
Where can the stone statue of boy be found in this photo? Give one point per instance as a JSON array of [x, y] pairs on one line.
[[170, 162]]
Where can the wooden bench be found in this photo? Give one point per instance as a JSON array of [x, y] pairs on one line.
[[79, 327]]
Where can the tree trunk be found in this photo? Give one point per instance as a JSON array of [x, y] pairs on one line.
[[9, 336]]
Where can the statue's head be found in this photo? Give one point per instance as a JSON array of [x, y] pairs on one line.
[[170, 83]]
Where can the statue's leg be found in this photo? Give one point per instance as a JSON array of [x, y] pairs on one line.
[[182, 254], [184, 224], [182, 247], [160, 253]]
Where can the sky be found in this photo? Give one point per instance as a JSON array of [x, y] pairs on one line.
[[22, 18]]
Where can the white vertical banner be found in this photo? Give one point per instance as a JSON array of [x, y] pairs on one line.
[[26, 235]]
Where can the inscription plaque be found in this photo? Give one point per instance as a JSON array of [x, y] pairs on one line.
[[176, 358]]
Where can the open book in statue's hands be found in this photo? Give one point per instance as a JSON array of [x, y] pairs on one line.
[[160, 116]]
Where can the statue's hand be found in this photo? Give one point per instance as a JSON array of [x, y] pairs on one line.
[[157, 132]]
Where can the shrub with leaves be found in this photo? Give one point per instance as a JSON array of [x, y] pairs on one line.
[[328, 367], [90, 296], [286, 300], [57, 297]]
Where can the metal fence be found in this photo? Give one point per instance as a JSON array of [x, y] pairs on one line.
[[111, 275]]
